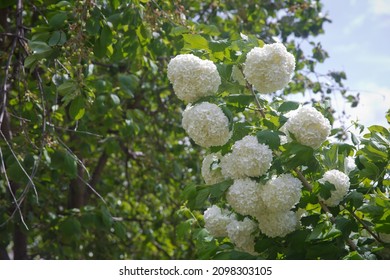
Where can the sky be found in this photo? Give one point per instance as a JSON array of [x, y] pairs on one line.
[[358, 42]]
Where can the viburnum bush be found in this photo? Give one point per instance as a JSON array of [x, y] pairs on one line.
[[278, 184]]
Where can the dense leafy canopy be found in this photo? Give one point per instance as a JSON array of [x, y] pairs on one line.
[[95, 164]]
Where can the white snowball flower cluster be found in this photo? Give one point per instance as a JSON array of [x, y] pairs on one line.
[[341, 183], [281, 193], [192, 77], [244, 197], [206, 124], [248, 158], [241, 234], [277, 224], [211, 172], [309, 127], [269, 68], [217, 220]]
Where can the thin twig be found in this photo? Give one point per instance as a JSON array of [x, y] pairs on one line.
[[11, 192]]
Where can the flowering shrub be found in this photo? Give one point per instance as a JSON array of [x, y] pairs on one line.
[[269, 68], [267, 172], [309, 127], [192, 77], [206, 124]]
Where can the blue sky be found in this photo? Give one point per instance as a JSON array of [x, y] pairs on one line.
[[358, 42]]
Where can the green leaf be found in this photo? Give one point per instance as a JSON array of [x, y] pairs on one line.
[[270, 138], [179, 30], [217, 190], [39, 47], [67, 87], [77, 108], [324, 232], [31, 61], [325, 190], [64, 162], [58, 20], [115, 99], [354, 199], [219, 46], [195, 41], [128, 83], [240, 130], [288, 106], [105, 37], [57, 38]]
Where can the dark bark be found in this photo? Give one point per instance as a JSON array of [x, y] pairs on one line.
[[77, 190]]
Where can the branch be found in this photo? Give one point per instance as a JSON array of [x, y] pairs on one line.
[[377, 238]]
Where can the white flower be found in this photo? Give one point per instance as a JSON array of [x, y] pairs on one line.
[[192, 77], [244, 197], [349, 165], [206, 124], [248, 158], [385, 237], [241, 235], [269, 68], [216, 220], [309, 127], [277, 224], [341, 183], [211, 171], [281, 193]]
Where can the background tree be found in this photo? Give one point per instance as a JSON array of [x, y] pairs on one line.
[[93, 157]]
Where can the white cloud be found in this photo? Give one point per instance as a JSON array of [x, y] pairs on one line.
[[380, 7], [355, 23], [374, 103]]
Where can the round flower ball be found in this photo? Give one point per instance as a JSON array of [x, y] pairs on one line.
[[193, 78], [281, 193], [269, 68], [341, 182], [248, 158], [206, 124], [244, 197], [216, 220], [309, 127], [241, 235], [277, 224], [211, 171]]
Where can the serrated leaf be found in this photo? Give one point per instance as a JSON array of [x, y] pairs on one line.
[[195, 41]]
